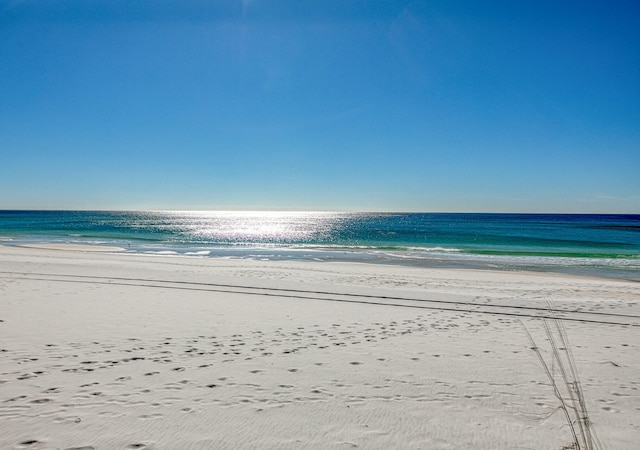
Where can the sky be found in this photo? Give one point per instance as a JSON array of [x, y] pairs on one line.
[[350, 105]]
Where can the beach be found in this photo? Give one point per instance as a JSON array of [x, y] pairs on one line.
[[102, 349]]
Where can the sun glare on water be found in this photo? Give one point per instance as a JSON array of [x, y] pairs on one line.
[[255, 226]]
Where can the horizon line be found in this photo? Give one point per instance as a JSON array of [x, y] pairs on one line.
[[308, 211]]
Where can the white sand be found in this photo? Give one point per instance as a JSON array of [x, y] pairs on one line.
[[75, 247], [120, 351]]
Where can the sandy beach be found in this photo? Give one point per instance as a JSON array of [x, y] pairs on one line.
[[109, 350]]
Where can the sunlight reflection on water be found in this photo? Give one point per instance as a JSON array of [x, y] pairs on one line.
[[256, 226]]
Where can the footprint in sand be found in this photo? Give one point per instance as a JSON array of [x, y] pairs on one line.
[[150, 417], [25, 376]]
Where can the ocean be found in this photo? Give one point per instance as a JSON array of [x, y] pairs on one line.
[[581, 244]]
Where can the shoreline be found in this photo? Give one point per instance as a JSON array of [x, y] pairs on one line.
[[73, 247], [354, 258], [103, 350]]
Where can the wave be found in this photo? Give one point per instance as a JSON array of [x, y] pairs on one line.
[[186, 247], [562, 254], [199, 253]]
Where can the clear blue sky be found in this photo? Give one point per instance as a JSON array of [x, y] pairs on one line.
[[333, 105]]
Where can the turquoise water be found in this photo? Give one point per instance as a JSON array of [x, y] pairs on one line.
[[600, 245]]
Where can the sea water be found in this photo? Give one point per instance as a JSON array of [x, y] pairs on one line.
[[585, 244]]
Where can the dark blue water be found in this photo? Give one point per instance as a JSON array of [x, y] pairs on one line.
[[600, 245]]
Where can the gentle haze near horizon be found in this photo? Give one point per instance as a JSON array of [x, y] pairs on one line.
[[493, 106]]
